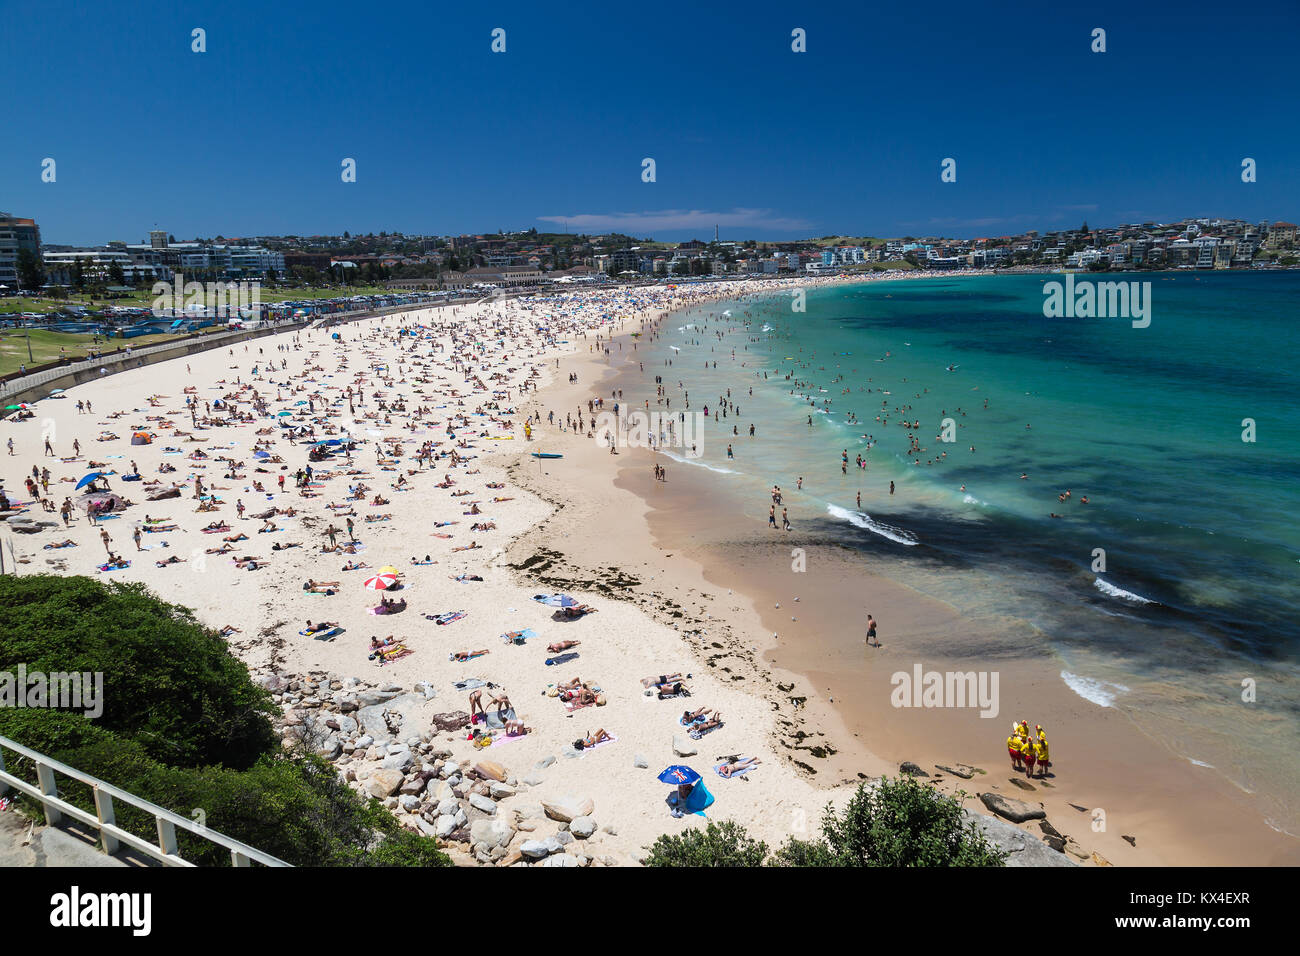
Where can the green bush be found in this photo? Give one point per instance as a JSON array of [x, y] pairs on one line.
[[169, 683], [897, 823], [718, 844], [183, 727]]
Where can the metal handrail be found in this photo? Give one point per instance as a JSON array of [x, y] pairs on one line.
[[111, 835]]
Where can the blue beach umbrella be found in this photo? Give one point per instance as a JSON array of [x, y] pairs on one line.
[[261, 454], [282, 414], [88, 479], [678, 774]]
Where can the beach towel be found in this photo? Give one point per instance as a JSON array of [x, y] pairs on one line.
[[562, 659], [319, 635], [697, 734], [472, 683], [115, 567], [499, 722], [518, 637], [610, 740], [572, 705], [447, 618]]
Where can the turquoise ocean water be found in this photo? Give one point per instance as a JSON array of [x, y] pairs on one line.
[[1201, 582]]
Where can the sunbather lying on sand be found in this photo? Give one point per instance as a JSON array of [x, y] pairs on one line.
[[561, 646], [702, 728], [739, 765], [694, 716], [662, 679], [463, 656], [591, 740]]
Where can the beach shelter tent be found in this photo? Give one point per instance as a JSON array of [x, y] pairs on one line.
[[88, 479], [141, 438]]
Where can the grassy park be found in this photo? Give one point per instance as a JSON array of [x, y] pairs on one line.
[[144, 298], [49, 346]]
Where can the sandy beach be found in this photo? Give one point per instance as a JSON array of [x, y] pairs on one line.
[[456, 384]]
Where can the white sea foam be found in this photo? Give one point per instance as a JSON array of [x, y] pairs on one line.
[[702, 464], [1108, 589], [1100, 692], [1201, 763], [865, 521]]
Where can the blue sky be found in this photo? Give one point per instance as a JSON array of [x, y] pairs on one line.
[[448, 137]]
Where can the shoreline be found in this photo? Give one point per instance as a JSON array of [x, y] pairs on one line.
[[1180, 820]]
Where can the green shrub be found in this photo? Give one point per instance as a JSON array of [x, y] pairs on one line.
[[718, 844], [183, 727], [897, 823], [169, 683]]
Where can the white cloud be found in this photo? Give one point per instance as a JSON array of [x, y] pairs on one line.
[[644, 223]]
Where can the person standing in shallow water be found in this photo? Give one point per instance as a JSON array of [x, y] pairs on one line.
[[871, 631]]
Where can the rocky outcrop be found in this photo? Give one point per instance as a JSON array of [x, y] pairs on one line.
[[1017, 811], [1023, 849], [373, 737]]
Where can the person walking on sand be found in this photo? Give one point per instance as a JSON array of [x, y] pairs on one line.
[[771, 516], [871, 631], [785, 519], [49, 449], [135, 536], [103, 536]]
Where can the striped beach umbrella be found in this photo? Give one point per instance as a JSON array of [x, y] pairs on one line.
[[381, 582]]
